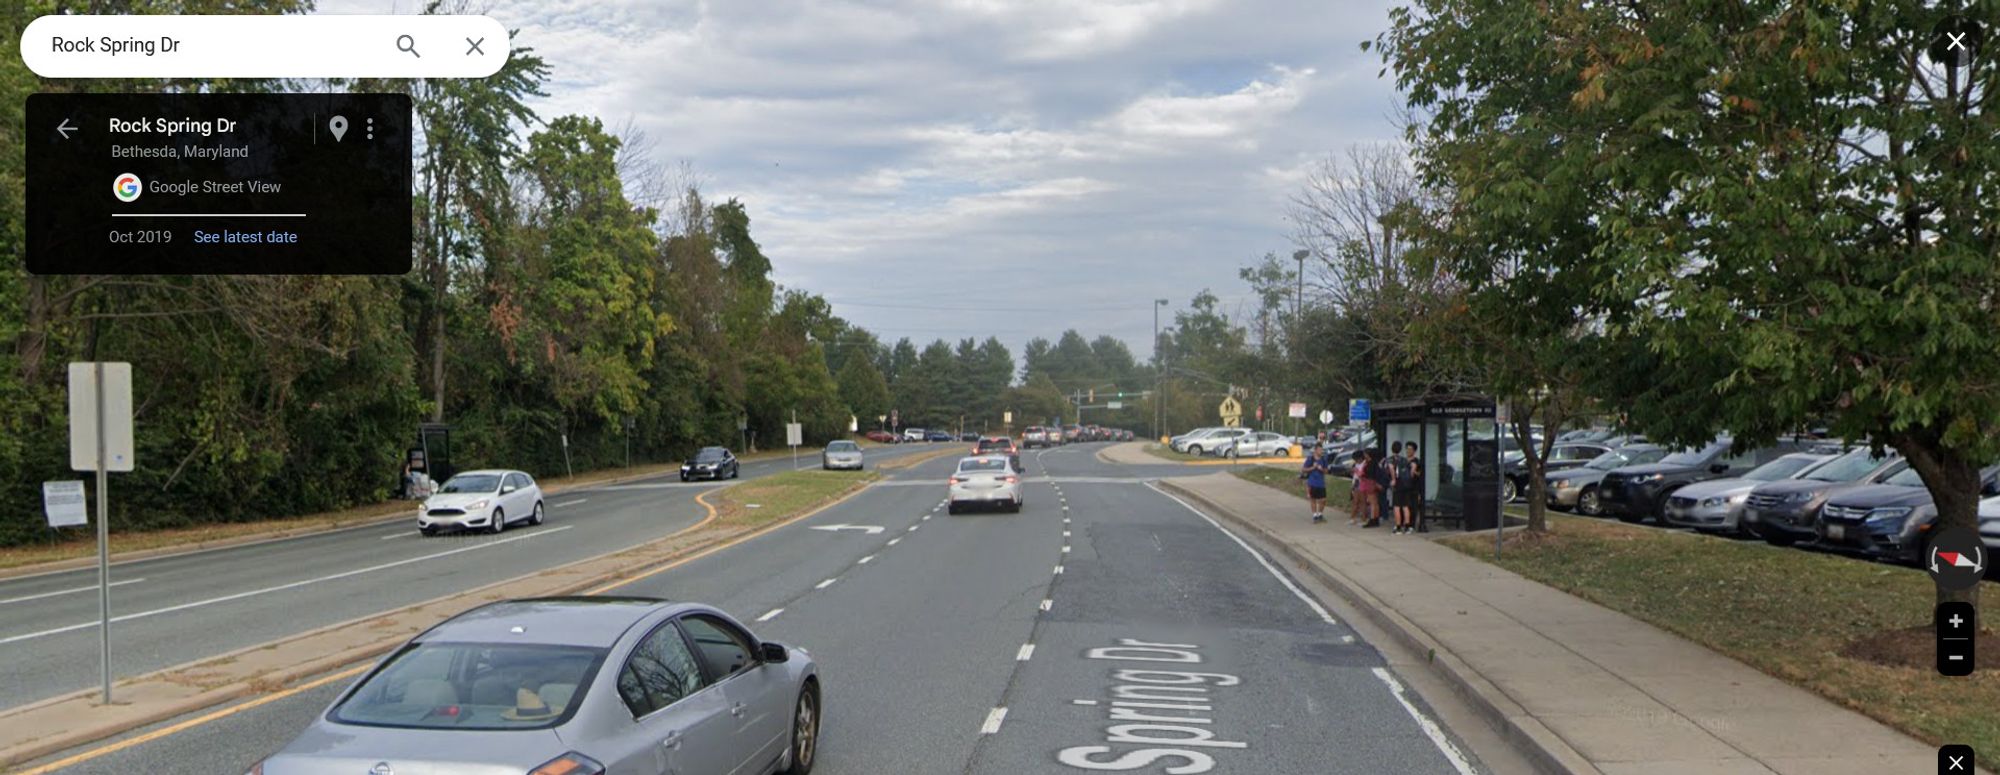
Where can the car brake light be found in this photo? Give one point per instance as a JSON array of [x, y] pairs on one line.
[[956, 480], [571, 763], [1011, 479]]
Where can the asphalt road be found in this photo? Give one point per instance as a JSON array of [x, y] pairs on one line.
[[998, 643], [172, 610]]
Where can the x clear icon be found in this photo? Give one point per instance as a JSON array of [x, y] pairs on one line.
[[1956, 41], [1955, 759]]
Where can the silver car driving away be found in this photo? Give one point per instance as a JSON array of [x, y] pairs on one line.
[[988, 480], [572, 686]]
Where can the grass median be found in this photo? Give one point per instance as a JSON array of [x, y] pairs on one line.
[[765, 500]]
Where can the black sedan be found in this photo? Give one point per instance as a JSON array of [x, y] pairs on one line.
[[711, 463]]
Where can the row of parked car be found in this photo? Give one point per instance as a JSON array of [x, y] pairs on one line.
[[1058, 435], [917, 435], [1824, 494]]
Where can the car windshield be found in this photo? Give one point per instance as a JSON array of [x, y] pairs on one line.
[[1907, 478], [709, 455], [472, 483], [842, 446], [1626, 457], [983, 464], [1693, 457], [473, 686], [1783, 468], [1846, 468]]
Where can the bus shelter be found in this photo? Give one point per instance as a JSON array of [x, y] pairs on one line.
[[1458, 443]]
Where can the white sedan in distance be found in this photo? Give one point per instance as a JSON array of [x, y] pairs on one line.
[[985, 480], [482, 500]]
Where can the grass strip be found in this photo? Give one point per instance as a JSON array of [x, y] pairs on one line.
[[780, 496]]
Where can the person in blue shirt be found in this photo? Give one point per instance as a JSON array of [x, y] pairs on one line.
[[1314, 472]]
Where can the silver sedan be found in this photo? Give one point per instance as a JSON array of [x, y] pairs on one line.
[[841, 455], [572, 686], [984, 480]]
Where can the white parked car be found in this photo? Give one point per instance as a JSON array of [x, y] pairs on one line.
[[1259, 444], [984, 480], [1180, 443], [482, 500], [1211, 443], [915, 434]]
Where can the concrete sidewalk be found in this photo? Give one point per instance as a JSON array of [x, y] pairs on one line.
[[1577, 686]]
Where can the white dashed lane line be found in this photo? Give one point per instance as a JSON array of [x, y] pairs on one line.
[[824, 584], [1047, 604], [993, 720], [864, 560], [771, 614], [572, 503], [913, 528], [894, 541], [1027, 651], [1059, 570]]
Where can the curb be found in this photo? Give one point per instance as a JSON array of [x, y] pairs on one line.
[[1548, 752], [238, 689]]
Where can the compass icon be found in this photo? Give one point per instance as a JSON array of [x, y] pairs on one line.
[[1957, 560]]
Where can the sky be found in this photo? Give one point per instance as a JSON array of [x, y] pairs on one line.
[[973, 168]]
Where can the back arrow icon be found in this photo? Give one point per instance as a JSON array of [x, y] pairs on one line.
[[64, 129]]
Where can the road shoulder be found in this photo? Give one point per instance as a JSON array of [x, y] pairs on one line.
[[1578, 688]]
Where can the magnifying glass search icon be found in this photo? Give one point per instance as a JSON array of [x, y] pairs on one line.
[[408, 44]]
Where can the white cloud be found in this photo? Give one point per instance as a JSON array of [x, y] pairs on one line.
[[1061, 154]]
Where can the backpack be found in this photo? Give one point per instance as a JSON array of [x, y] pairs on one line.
[[1405, 473]]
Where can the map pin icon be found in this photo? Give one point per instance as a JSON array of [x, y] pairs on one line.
[[339, 127]]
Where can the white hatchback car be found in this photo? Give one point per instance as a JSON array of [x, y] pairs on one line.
[[986, 480], [482, 500]]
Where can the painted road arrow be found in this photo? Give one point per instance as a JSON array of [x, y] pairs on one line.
[[869, 529]]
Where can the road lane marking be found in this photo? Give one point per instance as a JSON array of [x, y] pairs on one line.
[[1059, 570], [1065, 549], [824, 584], [1027, 651], [894, 541], [1083, 702], [283, 587], [864, 560], [993, 720], [572, 503], [771, 614], [913, 528], [404, 534], [195, 722], [1065, 534], [91, 588], [927, 518], [1047, 603], [1424, 722], [1275, 573]]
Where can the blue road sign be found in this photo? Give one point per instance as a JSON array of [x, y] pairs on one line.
[[1359, 410]]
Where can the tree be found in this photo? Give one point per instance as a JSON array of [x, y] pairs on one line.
[[863, 389], [1790, 204]]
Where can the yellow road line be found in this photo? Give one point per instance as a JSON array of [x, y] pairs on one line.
[[194, 722], [712, 514]]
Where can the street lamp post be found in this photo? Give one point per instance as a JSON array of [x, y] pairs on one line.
[[1159, 393], [1299, 302]]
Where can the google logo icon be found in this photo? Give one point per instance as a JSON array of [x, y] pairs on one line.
[[126, 187]]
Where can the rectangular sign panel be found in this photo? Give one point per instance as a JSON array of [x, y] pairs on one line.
[[218, 183], [64, 505], [83, 434]]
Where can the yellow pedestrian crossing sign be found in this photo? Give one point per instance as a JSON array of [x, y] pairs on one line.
[[1232, 412]]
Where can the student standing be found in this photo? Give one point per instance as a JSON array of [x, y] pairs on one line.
[[1367, 480], [1355, 466], [1314, 472], [1404, 490]]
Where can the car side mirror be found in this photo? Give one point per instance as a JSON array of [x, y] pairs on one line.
[[504, 489], [773, 652], [1990, 489]]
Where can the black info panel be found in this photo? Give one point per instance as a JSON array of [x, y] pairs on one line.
[[218, 183]]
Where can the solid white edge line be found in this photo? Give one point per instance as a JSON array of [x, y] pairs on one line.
[[1282, 578], [824, 584], [282, 587], [993, 719], [60, 592], [1430, 728], [1027, 651], [771, 614]]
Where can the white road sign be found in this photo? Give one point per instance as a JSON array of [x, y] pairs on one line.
[[83, 408], [63, 503], [1325, 416], [1297, 410], [794, 434]]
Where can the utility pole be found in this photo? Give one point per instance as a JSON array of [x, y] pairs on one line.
[[1299, 301], [1159, 372]]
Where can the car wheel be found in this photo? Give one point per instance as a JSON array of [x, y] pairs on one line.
[[734, 470], [1194, 449], [805, 732], [537, 518], [951, 508], [1508, 490], [498, 522], [1587, 504], [684, 476]]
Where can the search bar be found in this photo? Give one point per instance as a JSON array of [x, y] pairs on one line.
[[329, 46]]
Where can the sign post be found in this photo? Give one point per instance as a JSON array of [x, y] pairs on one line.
[[100, 439], [794, 436]]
